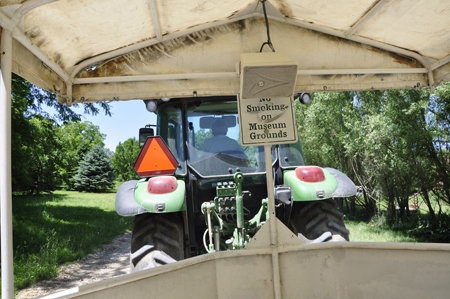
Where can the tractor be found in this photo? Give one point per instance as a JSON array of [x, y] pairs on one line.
[[201, 191]]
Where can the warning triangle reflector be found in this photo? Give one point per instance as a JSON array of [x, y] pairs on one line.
[[155, 158]]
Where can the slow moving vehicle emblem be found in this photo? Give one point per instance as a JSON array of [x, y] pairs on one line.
[[155, 158]]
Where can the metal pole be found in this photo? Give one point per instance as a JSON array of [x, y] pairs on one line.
[[272, 222], [5, 166]]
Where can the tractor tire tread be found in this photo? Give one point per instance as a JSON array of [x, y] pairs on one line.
[[333, 211], [312, 219], [157, 239], [313, 223]]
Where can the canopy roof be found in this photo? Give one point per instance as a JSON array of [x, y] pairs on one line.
[[87, 51]]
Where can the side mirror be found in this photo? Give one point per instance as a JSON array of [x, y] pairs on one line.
[[144, 133]]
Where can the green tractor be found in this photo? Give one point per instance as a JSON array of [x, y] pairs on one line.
[[201, 191]]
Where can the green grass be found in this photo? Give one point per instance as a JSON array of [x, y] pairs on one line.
[[60, 228], [361, 231], [418, 227]]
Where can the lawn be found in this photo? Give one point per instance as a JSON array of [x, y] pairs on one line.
[[55, 229], [418, 227], [361, 231]]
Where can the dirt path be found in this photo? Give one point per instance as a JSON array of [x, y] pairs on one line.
[[109, 261]]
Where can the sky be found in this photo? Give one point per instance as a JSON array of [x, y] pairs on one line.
[[125, 120]]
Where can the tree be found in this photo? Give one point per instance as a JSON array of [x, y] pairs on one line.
[[34, 147], [95, 172], [36, 98], [124, 158], [21, 142], [200, 137], [77, 139], [392, 143], [36, 154], [43, 155]]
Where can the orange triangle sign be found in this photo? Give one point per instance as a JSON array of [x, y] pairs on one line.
[[155, 159]]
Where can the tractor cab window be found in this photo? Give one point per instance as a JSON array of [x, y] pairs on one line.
[[291, 155], [170, 128], [213, 140]]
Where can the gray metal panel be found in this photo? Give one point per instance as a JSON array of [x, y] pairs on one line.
[[326, 270], [346, 187], [125, 203]]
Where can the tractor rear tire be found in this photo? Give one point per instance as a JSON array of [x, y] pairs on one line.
[[156, 240], [312, 219]]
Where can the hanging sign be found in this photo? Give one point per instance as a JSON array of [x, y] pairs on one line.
[[264, 121]]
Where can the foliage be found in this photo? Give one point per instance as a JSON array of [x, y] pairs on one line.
[[34, 150], [37, 161], [77, 138], [36, 98], [391, 143], [44, 156], [95, 172], [21, 143], [63, 227], [200, 137], [124, 158], [434, 230]]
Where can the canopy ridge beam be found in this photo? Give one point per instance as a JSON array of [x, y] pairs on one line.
[[27, 7], [376, 8], [333, 32], [155, 18], [223, 75]]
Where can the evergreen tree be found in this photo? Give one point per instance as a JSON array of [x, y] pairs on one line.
[[95, 172]]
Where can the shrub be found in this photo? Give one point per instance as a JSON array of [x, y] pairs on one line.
[[95, 172]]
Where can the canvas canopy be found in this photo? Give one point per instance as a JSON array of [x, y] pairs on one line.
[[108, 50], [105, 50]]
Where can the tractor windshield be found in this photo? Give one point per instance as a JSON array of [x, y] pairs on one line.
[[213, 140]]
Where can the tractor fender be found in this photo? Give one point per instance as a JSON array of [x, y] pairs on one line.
[[346, 187], [125, 203], [161, 203], [305, 191]]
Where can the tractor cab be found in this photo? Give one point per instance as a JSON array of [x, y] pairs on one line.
[[203, 135]]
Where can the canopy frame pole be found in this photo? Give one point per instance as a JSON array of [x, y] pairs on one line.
[[439, 63], [155, 17], [431, 81], [162, 77], [27, 7], [69, 93], [272, 223], [5, 166], [366, 18]]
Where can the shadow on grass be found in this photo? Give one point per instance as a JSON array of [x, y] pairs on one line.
[[20, 200], [48, 235], [417, 227]]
